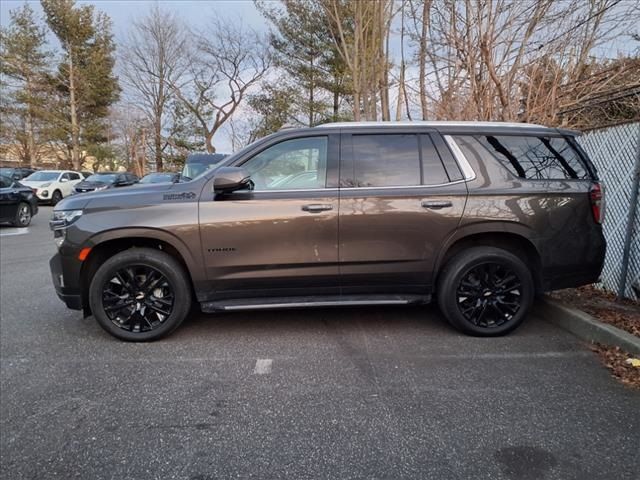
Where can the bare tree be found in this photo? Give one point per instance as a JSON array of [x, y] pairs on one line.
[[155, 58], [361, 32], [228, 61], [511, 60]]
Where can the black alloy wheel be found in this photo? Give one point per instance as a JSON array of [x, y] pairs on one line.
[[138, 298], [23, 215], [486, 291], [140, 294], [489, 295]]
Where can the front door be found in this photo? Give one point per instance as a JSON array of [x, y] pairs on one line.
[[280, 239], [398, 205]]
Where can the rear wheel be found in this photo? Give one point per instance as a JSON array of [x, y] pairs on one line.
[[23, 215], [56, 197], [140, 294], [485, 291]]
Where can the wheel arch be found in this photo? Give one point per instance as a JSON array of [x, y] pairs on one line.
[[514, 238], [110, 243]]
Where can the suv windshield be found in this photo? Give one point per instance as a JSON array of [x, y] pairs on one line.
[[42, 176], [102, 177], [158, 178]]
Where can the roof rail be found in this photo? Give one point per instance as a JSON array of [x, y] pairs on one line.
[[429, 123], [287, 126]]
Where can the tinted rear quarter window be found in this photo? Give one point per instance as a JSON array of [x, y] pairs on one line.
[[530, 157]]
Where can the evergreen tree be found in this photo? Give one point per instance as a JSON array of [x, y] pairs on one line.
[[85, 83], [306, 51], [22, 68]]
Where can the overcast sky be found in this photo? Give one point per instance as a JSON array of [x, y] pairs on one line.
[[198, 12], [194, 12]]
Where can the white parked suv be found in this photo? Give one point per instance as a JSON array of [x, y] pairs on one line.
[[52, 185]]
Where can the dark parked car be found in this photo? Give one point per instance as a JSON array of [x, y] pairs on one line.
[[18, 204], [479, 216], [105, 180], [16, 173], [163, 177]]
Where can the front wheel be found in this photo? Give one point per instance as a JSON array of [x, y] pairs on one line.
[[140, 294], [56, 197], [485, 291]]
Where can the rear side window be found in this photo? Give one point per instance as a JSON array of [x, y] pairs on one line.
[[386, 160], [535, 158], [396, 160]]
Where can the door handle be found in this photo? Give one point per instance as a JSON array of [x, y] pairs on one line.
[[436, 205], [317, 207]]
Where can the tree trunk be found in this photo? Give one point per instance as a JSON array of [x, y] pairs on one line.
[[157, 140], [401, 92], [311, 96], [209, 142], [75, 128], [422, 58]]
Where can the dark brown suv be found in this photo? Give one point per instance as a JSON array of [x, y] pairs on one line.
[[480, 215]]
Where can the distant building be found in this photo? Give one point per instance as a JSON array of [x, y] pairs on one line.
[[49, 157]]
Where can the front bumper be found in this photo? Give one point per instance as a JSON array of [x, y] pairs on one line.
[[65, 276], [43, 195]]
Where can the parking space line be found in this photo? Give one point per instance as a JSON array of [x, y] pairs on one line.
[[21, 231], [263, 366]]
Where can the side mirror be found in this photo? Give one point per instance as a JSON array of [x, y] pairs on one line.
[[62, 180], [230, 179]]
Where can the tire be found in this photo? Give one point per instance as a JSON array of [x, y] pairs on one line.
[[56, 197], [23, 215], [485, 291], [140, 321]]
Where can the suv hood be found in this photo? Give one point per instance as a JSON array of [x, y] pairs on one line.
[[36, 183], [85, 184], [129, 197]]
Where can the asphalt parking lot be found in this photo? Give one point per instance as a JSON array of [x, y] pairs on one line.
[[334, 393]]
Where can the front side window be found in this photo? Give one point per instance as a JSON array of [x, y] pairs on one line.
[[296, 164], [530, 157]]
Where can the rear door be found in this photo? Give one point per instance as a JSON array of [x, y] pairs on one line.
[[401, 196]]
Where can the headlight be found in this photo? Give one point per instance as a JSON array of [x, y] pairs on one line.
[[63, 218], [103, 187], [45, 185]]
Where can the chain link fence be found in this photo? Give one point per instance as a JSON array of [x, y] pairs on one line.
[[613, 150]]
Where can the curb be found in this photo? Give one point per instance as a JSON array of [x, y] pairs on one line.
[[585, 327]]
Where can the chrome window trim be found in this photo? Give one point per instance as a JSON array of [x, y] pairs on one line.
[[404, 186], [329, 189], [295, 190], [463, 163]]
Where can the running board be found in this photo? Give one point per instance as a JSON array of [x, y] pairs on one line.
[[310, 302]]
